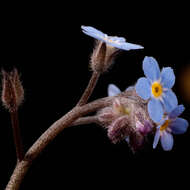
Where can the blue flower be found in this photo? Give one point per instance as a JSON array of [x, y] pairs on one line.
[[170, 124], [113, 41], [156, 88]]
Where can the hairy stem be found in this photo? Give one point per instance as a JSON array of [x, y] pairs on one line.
[[88, 91], [86, 120], [67, 120], [16, 135]]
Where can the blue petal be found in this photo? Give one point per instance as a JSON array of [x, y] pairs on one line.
[[143, 88], [113, 90], [130, 46], [117, 39], [155, 110], [170, 100], [130, 88], [179, 126], [167, 141], [94, 35], [156, 138], [92, 30], [151, 68], [176, 111], [167, 77]]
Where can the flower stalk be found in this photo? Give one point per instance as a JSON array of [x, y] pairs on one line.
[[17, 135], [12, 97], [88, 91]]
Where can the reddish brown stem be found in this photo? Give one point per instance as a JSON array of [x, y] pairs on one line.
[[16, 135]]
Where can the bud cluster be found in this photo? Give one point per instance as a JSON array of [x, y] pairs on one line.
[[126, 119]]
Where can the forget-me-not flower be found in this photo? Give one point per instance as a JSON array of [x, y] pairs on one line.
[[114, 41], [170, 124], [156, 88]]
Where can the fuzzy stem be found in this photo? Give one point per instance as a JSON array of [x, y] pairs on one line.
[[16, 135], [86, 120], [88, 91], [64, 122]]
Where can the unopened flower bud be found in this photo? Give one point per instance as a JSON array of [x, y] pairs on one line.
[[12, 92], [136, 141], [119, 108], [127, 118], [119, 129]]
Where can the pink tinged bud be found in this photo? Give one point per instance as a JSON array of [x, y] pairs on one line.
[[145, 128], [136, 141], [119, 129], [119, 109], [106, 116]]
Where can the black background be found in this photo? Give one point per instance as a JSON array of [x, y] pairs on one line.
[[51, 53]]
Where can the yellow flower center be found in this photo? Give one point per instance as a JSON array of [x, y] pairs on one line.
[[157, 89], [165, 125]]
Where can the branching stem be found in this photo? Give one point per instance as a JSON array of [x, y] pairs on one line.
[[64, 122]]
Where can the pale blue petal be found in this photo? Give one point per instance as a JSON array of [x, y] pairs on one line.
[[94, 35], [143, 88], [156, 138], [130, 88], [113, 90], [117, 39], [92, 30], [170, 100], [179, 126], [155, 110], [167, 141], [151, 68], [176, 111], [167, 77], [130, 46]]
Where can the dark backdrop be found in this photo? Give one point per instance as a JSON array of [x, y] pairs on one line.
[[52, 54]]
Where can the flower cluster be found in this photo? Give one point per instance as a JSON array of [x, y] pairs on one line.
[[151, 107], [162, 105], [126, 119]]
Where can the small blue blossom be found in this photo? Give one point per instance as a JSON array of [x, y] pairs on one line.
[[156, 88], [170, 124], [114, 41]]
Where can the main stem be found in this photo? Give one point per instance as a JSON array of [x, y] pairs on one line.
[[78, 111], [88, 91], [16, 135]]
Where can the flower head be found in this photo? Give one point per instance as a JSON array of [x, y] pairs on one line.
[[156, 88], [113, 41], [170, 124]]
